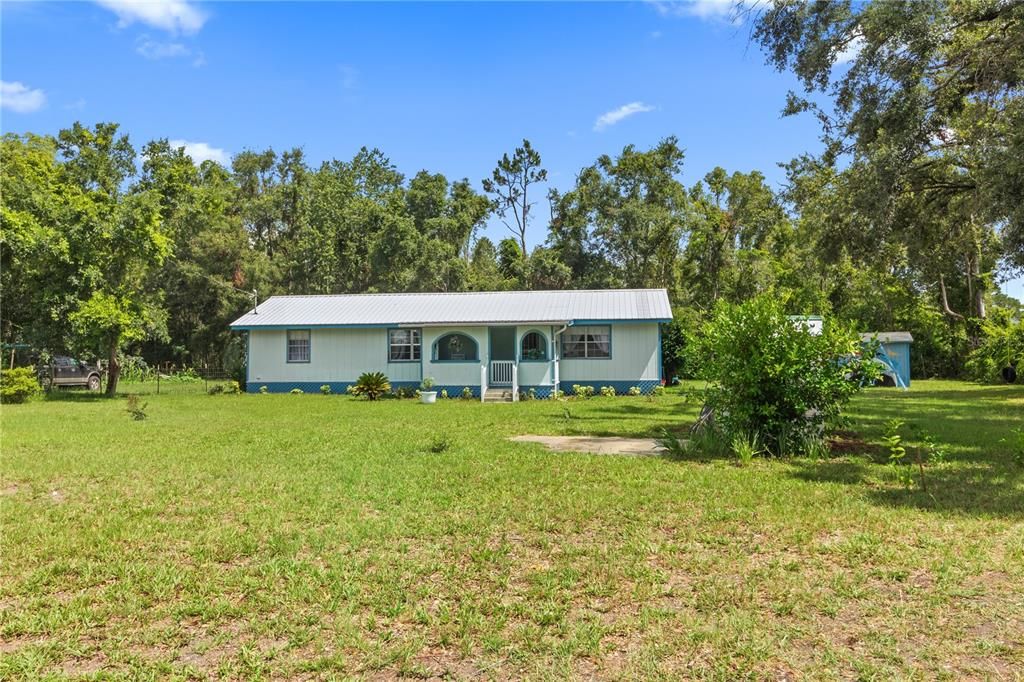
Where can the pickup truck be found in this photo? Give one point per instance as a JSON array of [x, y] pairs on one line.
[[65, 371]]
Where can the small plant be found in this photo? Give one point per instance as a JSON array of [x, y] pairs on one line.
[[18, 385], [659, 390], [467, 393], [674, 446], [372, 385], [814, 448], [531, 394], [444, 394], [936, 451], [897, 453], [582, 391], [427, 384], [216, 389], [264, 390], [635, 391], [608, 391], [325, 389], [135, 409], [440, 444], [558, 394], [296, 391], [746, 448], [567, 414], [233, 388]]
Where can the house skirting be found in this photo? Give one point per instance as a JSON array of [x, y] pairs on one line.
[[646, 386]]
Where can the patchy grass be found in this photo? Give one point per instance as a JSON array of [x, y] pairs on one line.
[[313, 536]]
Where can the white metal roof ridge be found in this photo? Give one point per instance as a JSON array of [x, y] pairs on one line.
[[470, 307]]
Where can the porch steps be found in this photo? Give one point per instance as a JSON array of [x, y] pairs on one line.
[[498, 395]]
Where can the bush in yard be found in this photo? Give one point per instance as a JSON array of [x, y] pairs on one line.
[[18, 385], [325, 389], [1002, 347], [635, 390], [264, 390], [582, 391], [372, 385], [770, 379], [467, 393], [296, 391], [608, 391]]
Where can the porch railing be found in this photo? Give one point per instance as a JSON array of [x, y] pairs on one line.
[[501, 372]]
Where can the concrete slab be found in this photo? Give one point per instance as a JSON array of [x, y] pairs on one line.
[[636, 447]]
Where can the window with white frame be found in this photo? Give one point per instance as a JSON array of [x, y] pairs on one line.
[[587, 342], [298, 345], [403, 345]]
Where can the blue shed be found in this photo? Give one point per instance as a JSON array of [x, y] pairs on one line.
[[894, 354]]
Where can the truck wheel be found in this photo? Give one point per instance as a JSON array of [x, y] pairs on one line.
[[94, 383]]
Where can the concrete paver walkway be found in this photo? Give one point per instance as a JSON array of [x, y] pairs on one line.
[[596, 444]]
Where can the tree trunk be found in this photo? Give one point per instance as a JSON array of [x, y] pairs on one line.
[[945, 300], [978, 291], [113, 370]]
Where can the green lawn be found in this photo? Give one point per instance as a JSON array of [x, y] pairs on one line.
[[311, 537]]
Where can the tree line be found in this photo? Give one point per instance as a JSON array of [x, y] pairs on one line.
[[906, 221]]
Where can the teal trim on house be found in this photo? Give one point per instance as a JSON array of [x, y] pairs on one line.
[[270, 327], [546, 345], [563, 356], [475, 346], [387, 346], [341, 387], [661, 371], [286, 341]]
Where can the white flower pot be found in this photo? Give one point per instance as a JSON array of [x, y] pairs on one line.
[[428, 396]]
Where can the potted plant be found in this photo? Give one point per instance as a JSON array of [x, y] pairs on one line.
[[427, 394]]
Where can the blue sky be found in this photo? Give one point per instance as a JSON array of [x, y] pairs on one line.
[[446, 87]]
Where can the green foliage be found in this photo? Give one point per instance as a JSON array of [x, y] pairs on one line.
[[893, 441], [372, 385], [608, 391], [263, 390], [745, 447], [658, 391], [635, 391], [427, 384], [440, 444], [467, 393], [296, 391], [1002, 346], [135, 409], [1016, 442], [674, 446], [581, 391], [325, 389], [770, 378], [18, 385], [444, 394]]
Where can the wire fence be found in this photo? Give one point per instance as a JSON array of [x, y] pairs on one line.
[[192, 381]]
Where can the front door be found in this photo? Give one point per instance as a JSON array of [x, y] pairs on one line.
[[503, 355]]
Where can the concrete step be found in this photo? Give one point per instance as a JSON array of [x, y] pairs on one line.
[[498, 395]]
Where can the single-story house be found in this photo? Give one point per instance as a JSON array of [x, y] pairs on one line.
[[506, 341], [894, 354]]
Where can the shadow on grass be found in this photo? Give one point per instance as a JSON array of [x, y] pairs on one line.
[[981, 490], [77, 396]]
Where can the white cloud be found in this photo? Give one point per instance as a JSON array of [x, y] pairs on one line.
[[154, 49], [173, 16], [850, 52], [702, 9], [21, 98], [77, 105], [201, 151], [612, 117]]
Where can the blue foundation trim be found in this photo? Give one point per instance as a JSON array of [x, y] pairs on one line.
[[646, 386], [341, 387]]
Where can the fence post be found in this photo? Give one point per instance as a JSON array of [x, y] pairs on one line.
[[515, 383], [483, 382], [158, 381]]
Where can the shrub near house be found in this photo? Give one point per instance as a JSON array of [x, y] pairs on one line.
[[770, 381]]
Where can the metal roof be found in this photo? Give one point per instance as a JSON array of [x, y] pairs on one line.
[[485, 307], [888, 337]]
